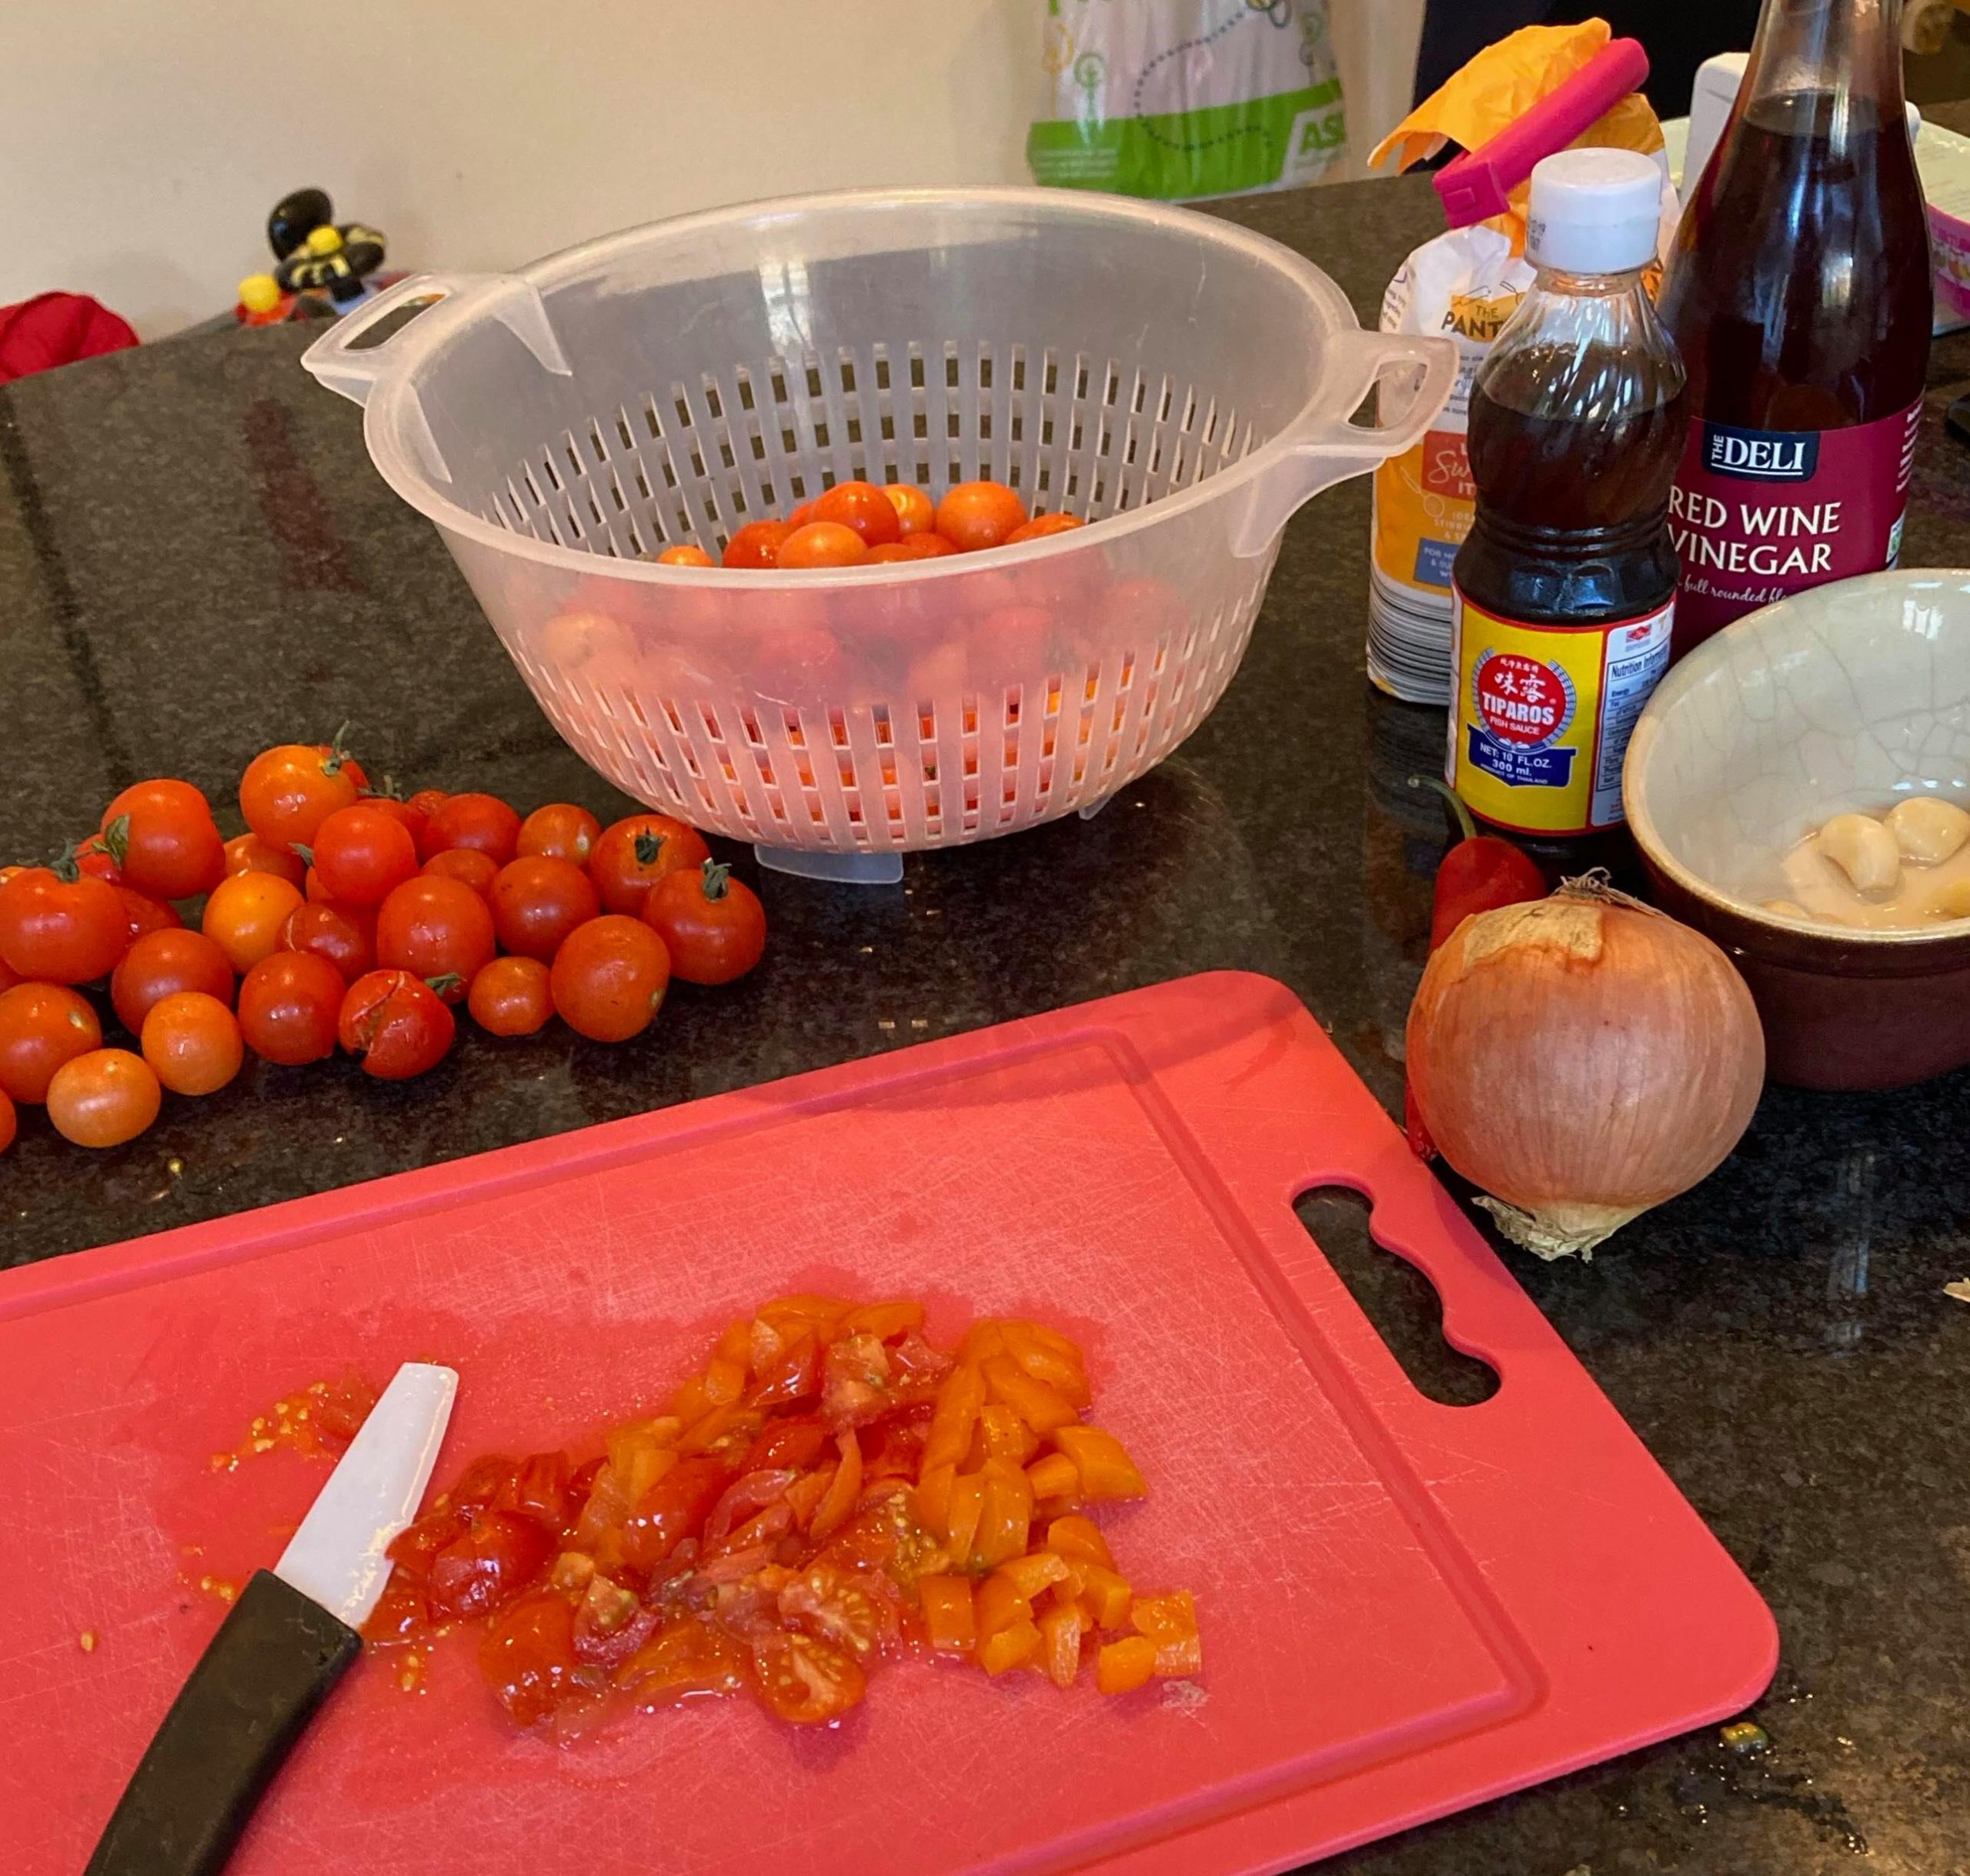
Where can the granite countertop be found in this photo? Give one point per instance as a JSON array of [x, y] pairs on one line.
[[196, 560]]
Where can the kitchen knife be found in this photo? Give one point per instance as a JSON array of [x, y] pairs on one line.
[[287, 1641]]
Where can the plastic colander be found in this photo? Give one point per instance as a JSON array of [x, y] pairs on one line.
[[1179, 382]]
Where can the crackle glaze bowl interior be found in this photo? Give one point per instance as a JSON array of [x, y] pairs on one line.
[[1852, 696]]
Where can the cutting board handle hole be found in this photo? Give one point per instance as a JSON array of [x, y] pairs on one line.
[[1396, 1297]]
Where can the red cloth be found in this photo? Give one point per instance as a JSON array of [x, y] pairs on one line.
[[57, 329]]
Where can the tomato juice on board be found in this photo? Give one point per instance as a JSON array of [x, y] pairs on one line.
[[1565, 589], [1798, 293]]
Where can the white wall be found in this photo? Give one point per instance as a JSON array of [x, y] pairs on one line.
[[142, 142]]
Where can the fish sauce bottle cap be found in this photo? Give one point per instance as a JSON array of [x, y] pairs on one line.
[[1594, 211]]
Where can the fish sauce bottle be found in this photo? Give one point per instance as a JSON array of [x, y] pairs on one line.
[[1798, 290], [1563, 593]]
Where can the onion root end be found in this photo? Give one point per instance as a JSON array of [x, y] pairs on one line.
[[1560, 1230]]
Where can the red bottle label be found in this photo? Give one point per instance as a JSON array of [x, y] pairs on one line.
[[1757, 514]]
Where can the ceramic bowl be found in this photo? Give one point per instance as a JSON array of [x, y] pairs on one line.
[[1854, 695]]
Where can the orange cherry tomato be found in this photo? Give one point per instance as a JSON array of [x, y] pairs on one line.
[[536, 901], [713, 925], [822, 544], [346, 936], [164, 963], [800, 517], [42, 1025], [756, 544], [192, 1041], [248, 852], [104, 1098], [54, 930], [1041, 526], [632, 854], [559, 831], [246, 916], [685, 553], [467, 865], [362, 853], [432, 927], [862, 508], [916, 513], [396, 1023], [511, 997], [483, 823], [608, 978], [287, 792], [289, 1005], [147, 914], [976, 514], [162, 836], [923, 546], [9, 1125]]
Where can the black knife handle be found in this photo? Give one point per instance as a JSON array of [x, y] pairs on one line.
[[255, 1687]]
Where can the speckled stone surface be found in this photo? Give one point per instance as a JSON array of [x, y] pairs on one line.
[[196, 560]]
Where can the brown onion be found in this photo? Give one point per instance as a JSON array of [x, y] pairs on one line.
[[1582, 1058]]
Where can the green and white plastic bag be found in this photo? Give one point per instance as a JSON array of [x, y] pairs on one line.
[[1183, 98]]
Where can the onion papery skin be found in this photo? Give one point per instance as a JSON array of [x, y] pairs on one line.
[[1582, 1058]]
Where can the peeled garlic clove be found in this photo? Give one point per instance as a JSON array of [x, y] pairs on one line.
[[1927, 830], [1864, 849], [1953, 901], [1785, 909]]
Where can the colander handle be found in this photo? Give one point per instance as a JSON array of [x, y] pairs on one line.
[[336, 361], [1333, 448]]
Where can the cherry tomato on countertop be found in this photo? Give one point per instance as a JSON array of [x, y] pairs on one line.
[[104, 1098], [346, 936], [559, 831], [466, 865], [57, 927], [248, 852], [432, 927], [511, 997], [144, 915], [162, 964], [289, 1007], [162, 835], [483, 823], [537, 902], [9, 1123], [713, 925], [361, 853], [633, 853], [245, 914], [608, 978], [287, 792], [42, 1025], [191, 1043], [94, 861], [396, 1023]]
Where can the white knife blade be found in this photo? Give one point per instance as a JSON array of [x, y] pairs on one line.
[[336, 1557]]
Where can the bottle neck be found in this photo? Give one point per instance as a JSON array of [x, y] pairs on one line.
[[1850, 49]]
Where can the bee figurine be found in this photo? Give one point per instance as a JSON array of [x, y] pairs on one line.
[[314, 257]]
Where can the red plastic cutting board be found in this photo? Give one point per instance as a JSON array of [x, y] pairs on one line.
[[1406, 1608]]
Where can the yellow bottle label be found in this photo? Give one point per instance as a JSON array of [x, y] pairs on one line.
[[1542, 714]]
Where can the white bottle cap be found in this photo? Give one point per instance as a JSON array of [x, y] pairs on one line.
[[1594, 211]]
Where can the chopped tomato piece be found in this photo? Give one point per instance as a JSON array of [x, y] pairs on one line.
[[850, 1609], [684, 1657], [1059, 1637], [1041, 1407], [959, 1399], [934, 1497], [949, 1621], [1002, 1434], [528, 1656], [887, 1322], [540, 1490], [1105, 1469], [401, 1613], [611, 1624], [745, 1497], [735, 1344], [1124, 1666], [1004, 1515], [1170, 1622], [797, 1443], [967, 1505], [807, 1680], [673, 1509], [721, 1425], [724, 1381], [485, 1481], [982, 1341], [1054, 1476], [832, 1512], [498, 1554], [413, 1547], [1032, 1574], [790, 1371], [999, 1603], [1104, 1594], [1076, 1536], [1010, 1648], [855, 1381], [1046, 1361]]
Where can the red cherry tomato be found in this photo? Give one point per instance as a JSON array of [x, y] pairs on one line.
[[415, 821], [346, 936], [559, 831], [822, 544], [57, 930], [608, 978], [1040, 526], [536, 901], [713, 925], [912, 547], [9, 1125], [916, 513], [94, 861], [424, 804], [685, 553], [162, 836], [510, 996], [289, 1007], [434, 927], [191, 1043], [976, 514], [396, 1023], [248, 852], [148, 915], [287, 792], [104, 1098], [756, 544], [634, 853], [164, 964], [42, 1027], [361, 853], [483, 823], [466, 865], [864, 507]]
